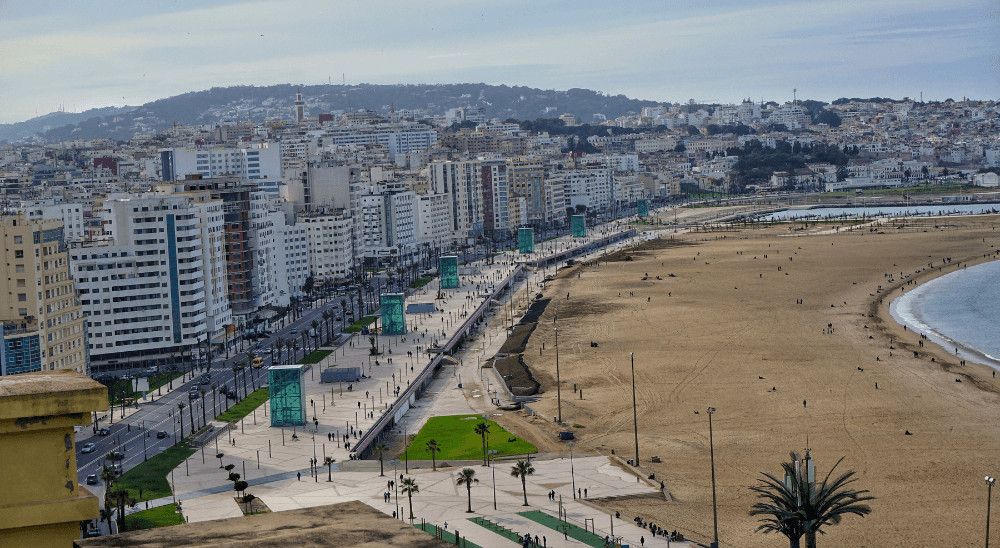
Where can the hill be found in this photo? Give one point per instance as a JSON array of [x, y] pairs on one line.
[[259, 104]]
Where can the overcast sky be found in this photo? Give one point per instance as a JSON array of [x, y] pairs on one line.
[[94, 54]]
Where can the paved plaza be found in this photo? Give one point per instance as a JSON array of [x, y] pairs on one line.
[[277, 462]]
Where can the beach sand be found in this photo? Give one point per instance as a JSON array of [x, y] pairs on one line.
[[731, 336]]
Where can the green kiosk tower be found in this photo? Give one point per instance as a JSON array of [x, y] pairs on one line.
[[526, 240], [393, 313], [287, 395], [579, 225], [643, 208], [449, 272]]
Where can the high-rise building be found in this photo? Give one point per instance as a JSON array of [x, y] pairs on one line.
[[143, 287], [256, 161], [300, 108], [43, 324]]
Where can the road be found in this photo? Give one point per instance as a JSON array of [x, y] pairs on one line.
[[135, 435]]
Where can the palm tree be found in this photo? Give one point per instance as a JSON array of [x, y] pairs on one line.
[[316, 333], [295, 350], [289, 344], [328, 461], [180, 418], [409, 487], [106, 514], [522, 470], [467, 477], [326, 324], [190, 414], [215, 403], [798, 506], [380, 450], [482, 429], [433, 447], [305, 343], [202, 390], [278, 343], [343, 314], [236, 387]]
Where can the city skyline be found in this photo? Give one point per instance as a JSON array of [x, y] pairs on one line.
[[113, 55]]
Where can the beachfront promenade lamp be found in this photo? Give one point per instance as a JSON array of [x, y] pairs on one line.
[[715, 509], [989, 495], [635, 414]]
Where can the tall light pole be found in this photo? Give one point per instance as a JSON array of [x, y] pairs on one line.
[[572, 474], [715, 509], [558, 383], [989, 492], [635, 413]]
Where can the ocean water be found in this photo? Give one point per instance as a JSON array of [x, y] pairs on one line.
[[875, 211], [961, 307]]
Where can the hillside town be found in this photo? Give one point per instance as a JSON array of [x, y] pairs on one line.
[[247, 219]]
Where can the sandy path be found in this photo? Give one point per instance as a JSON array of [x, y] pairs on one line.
[[732, 336]]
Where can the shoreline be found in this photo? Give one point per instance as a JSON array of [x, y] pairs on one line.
[[883, 312], [964, 351]]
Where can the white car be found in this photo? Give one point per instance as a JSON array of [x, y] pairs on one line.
[[88, 448]]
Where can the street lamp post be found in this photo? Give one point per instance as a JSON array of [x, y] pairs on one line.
[[989, 492], [715, 510], [572, 474], [635, 413], [558, 383]]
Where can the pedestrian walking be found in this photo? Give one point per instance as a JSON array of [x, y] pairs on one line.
[[299, 475]]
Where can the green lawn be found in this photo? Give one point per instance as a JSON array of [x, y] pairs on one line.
[[315, 357], [420, 282], [162, 516], [458, 441], [356, 326], [151, 476], [245, 406], [586, 537]]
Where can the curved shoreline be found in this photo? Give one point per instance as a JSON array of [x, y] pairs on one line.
[[941, 343]]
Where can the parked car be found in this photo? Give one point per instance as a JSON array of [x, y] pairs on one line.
[[92, 479], [103, 432], [88, 448], [161, 434]]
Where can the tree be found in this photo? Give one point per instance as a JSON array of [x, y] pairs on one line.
[[180, 407], [316, 333], [483, 429], [693, 130], [240, 486], [190, 414], [380, 449], [202, 390], [680, 148], [522, 470], [433, 447], [247, 499], [409, 487], [328, 461], [215, 402], [797, 505], [467, 477], [307, 287]]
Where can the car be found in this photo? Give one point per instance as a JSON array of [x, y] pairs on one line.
[[117, 468], [91, 533], [103, 432], [293, 332], [205, 381], [193, 395], [88, 448], [92, 479], [161, 434], [258, 346]]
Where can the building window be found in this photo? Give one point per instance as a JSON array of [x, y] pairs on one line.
[[18, 253], [22, 311], [22, 297], [18, 240]]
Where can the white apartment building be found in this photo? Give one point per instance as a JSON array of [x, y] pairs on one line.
[[252, 162], [396, 138], [462, 182], [144, 294], [434, 219], [555, 201], [591, 187], [70, 213], [332, 245], [262, 242], [291, 261], [213, 238], [388, 224]]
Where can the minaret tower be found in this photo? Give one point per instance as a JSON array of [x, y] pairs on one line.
[[300, 107]]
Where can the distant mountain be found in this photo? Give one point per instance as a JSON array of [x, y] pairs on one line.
[[259, 104], [46, 122]]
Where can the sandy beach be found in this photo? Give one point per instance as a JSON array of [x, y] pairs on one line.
[[716, 323]]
